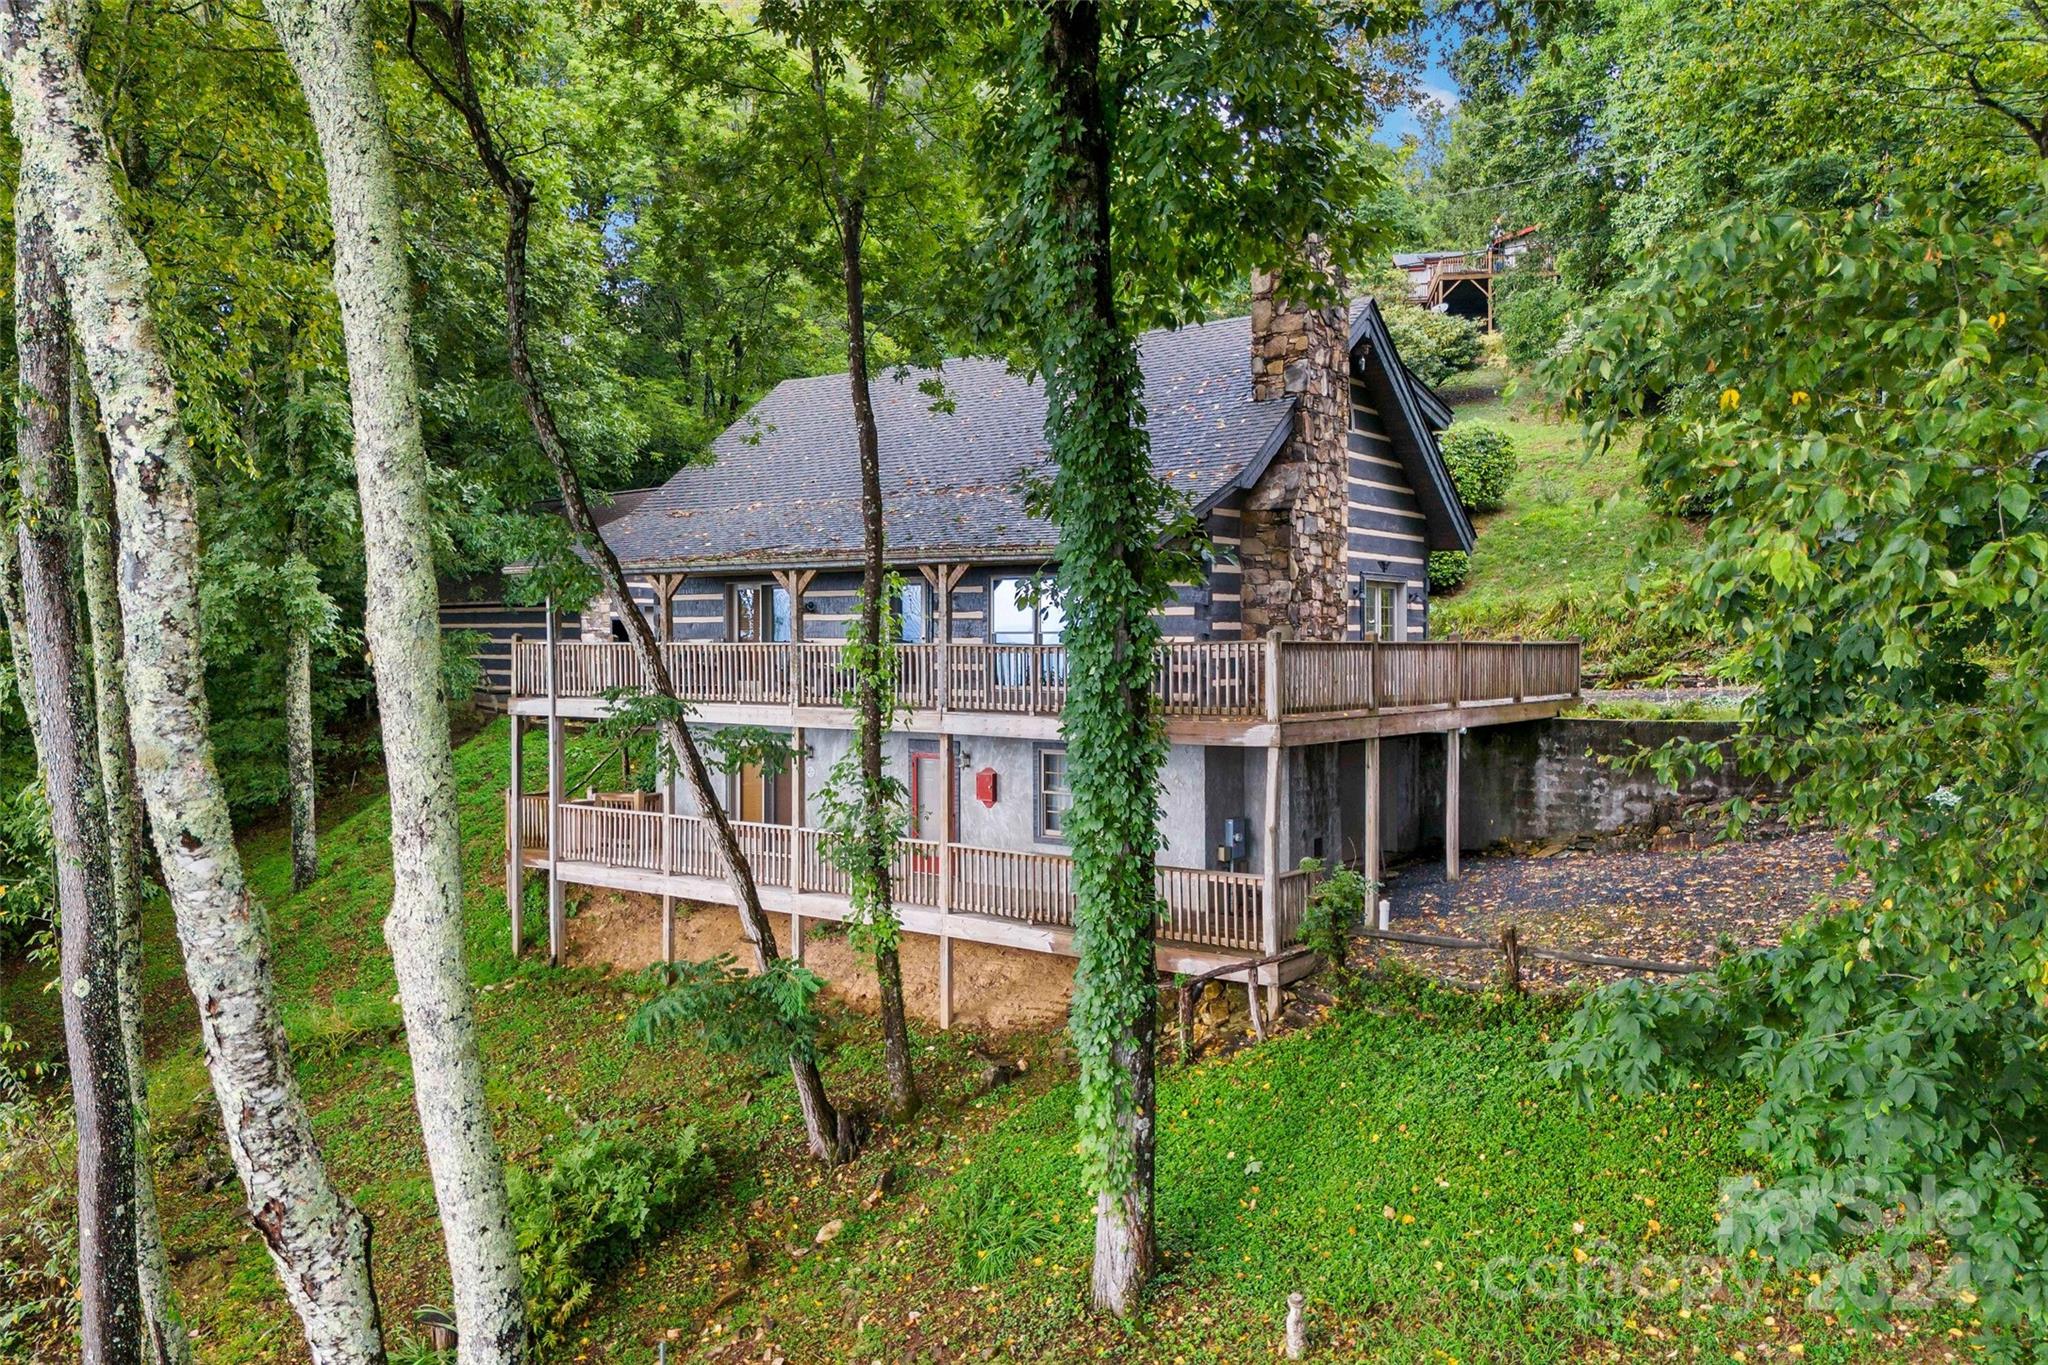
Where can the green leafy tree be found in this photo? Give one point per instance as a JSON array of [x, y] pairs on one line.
[[1857, 401]]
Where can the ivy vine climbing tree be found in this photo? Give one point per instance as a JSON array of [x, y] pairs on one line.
[[1159, 153]]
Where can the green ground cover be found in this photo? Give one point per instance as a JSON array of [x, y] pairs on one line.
[[1378, 1163], [1556, 561]]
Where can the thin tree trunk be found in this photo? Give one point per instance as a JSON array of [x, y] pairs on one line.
[[833, 1134], [1109, 508], [300, 779], [320, 1243], [110, 1304], [18, 661], [328, 42], [849, 204], [165, 1341]]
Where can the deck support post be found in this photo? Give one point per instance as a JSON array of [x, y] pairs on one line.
[[1373, 829], [668, 866], [798, 761], [1269, 926], [947, 779], [557, 919], [515, 833], [1453, 754]]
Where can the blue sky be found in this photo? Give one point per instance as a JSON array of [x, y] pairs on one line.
[[1435, 84]]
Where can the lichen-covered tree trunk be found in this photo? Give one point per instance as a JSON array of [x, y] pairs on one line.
[[328, 42], [1110, 510], [298, 752], [110, 1304], [300, 780], [833, 1134], [164, 1333], [318, 1240]]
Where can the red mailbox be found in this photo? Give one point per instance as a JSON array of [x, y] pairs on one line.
[[985, 786]]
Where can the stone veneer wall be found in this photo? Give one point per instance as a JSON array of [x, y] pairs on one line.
[[1293, 545]]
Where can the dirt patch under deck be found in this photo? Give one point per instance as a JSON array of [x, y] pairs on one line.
[[998, 989]]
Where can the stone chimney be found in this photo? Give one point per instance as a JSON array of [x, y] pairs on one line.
[[1293, 550]]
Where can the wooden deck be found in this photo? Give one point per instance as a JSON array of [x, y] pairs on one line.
[[1213, 691], [1006, 897]]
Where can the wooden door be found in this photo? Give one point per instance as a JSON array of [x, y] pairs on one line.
[[752, 804]]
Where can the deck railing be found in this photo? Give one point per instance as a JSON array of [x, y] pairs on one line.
[[1213, 909], [1223, 679]]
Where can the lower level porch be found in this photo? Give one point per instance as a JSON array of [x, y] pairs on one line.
[[1007, 898]]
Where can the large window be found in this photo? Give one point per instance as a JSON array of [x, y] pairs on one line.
[[760, 612], [1055, 797], [1023, 611]]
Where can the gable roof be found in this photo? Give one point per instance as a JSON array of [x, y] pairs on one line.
[[1395, 389], [783, 486]]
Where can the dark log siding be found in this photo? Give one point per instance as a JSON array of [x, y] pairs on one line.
[[1388, 536], [1225, 616], [498, 623]]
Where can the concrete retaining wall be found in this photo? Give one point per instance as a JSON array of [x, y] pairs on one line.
[[1545, 779]]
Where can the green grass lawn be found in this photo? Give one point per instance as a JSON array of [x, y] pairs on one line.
[[1556, 560], [1378, 1163]]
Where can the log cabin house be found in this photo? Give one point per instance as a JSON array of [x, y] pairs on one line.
[[1290, 673]]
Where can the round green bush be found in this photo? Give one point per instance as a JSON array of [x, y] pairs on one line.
[[1434, 345], [1448, 570], [1482, 462]]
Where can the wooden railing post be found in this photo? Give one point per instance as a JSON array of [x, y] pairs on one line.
[[1272, 662]]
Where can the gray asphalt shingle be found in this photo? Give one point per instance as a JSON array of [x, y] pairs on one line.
[[784, 483]]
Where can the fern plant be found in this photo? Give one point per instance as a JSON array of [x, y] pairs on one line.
[[600, 1198]]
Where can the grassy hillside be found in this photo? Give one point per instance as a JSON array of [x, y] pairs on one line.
[[1379, 1164], [1555, 561]]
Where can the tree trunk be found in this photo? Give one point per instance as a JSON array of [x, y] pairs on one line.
[[110, 1304], [164, 1340], [328, 42], [318, 1240], [1110, 510], [833, 1136], [872, 719], [300, 779]]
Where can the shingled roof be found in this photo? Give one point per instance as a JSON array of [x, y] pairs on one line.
[[783, 486]]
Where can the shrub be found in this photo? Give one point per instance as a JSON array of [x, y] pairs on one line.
[[586, 1215], [1531, 315], [1434, 345], [1482, 462], [1333, 903], [1448, 570]]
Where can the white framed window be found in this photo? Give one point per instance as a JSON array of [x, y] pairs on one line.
[[1055, 795], [1024, 611], [760, 612], [1383, 609]]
